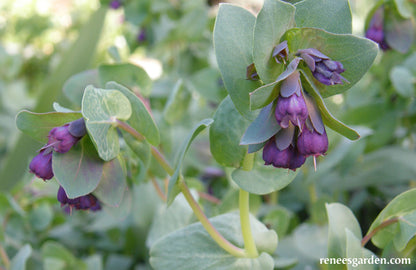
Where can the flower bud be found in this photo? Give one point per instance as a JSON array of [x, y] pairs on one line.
[[323, 68], [288, 158], [41, 165], [312, 143]]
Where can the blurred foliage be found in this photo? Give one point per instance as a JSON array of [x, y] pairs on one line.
[[172, 41]]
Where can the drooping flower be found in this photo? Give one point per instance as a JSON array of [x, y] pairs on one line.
[[323, 68], [311, 143], [41, 165], [86, 202], [64, 137], [288, 158], [375, 30], [291, 105], [61, 139]]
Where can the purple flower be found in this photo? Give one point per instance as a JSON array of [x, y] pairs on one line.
[[86, 202], [375, 30], [311, 143], [115, 4], [64, 137], [41, 165], [291, 105], [288, 158], [323, 68]]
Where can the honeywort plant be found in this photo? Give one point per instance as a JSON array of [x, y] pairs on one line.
[[277, 67]]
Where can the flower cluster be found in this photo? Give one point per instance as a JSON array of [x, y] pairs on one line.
[[86, 202], [61, 139], [375, 30], [302, 132]]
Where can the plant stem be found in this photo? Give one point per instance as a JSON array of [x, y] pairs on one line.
[[249, 244], [244, 205], [158, 190], [384, 224], [218, 238], [4, 257], [209, 197]]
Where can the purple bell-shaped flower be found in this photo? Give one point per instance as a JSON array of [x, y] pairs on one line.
[[311, 143], [86, 202], [288, 158], [291, 105], [375, 30], [41, 165], [64, 137]]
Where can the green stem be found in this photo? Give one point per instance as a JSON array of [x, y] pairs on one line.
[[4, 257], [244, 205], [218, 238], [382, 225], [249, 244]]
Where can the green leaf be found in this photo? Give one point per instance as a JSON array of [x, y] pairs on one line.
[[403, 81], [129, 75], [402, 206], [328, 119], [112, 184], [41, 216], [173, 189], [225, 134], [354, 251], [269, 92], [19, 260], [57, 254], [79, 170], [273, 20], [194, 242], [101, 108], [177, 103], [337, 19], [399, 32], [263, 179], [263, 127], [38, 125], [340, 218], [169, 219], [206, 83], [140, 119], [355, 53], [404, 8], [83, 50], [233, 43], [74, 87], [406, 231]]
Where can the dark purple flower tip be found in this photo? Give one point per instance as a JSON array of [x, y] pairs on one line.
[[77, 128], [41, 165], [291, 109], [61, 139], [86, 202], [311, 143], [288, 158], [115, 4], [251, 73], [281, 52]]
